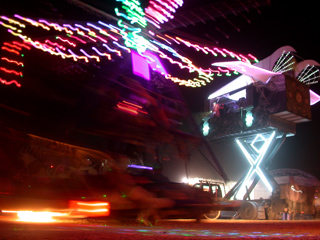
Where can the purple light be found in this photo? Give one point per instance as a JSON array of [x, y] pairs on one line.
[[156, 64], [139, 167], [140, 66]]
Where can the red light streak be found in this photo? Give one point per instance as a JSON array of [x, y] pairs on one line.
[[90, 208], [253, 57], [135, 105], [244, 59], [11, 71], [10, 50], [13, 46], [21, 45], [127, 109], [102, 39], [3, 81], [80, 40], [12, 61], [93, 40], [130, 107]]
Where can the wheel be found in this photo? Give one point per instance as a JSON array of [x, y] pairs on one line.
[[249, 210], [212, 215]]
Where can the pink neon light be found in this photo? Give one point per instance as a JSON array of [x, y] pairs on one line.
[[10, 82], [156, 65], [102, 39], [55, 44], [67, 41], [92, 39], [140, 67], [80, 40]]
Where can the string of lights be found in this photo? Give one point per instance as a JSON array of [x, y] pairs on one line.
[[71, 38]]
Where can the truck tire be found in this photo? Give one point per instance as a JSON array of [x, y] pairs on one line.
[[248, 210], [212, 215]]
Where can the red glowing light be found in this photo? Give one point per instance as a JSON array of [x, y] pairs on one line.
[[10, 82], [130, 107], [13, 46], [11, 71], [80, 40], [10, 50], [89, 208], [12, 61], [127, 109], [21, 45]]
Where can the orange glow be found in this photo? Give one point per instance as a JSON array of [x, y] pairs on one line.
[[10, 50], [13, 46], [31, 216], [89, 208], [21, 45], [12, 61]]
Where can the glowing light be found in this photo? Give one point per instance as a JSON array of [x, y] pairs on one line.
[[34, 23], [13, 21], [314, 98], [205, 128], [11, 71], [5, 82], [31, 216], [10, 50], [112, 50], [21, 45], [249, 119], [139, 167], [76, 57], [159, 11], [67, 41], [130, 108], [89, 208], [293, 189], [102, 54], [253, 57], [140, 67], [309, 75], [257, 73], [55, 44], [8, 26], [134, 13], [123, 47], [256, 160], [90, 56], [12, 61], [56, 26], [155, 63], [80, 40]]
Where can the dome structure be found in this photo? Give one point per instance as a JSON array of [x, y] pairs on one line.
[[283, 175]]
